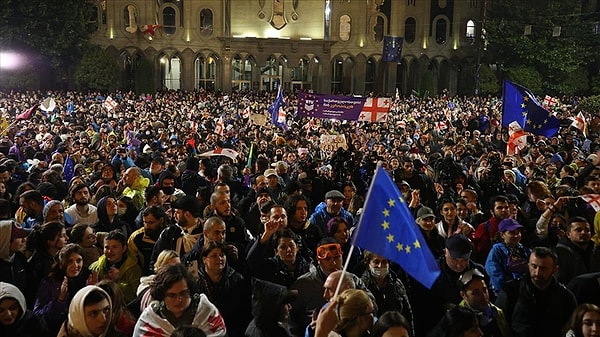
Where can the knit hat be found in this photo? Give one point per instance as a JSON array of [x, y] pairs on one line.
[[48, 206]]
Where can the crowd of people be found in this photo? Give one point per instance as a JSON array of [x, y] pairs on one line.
[[191, 214]]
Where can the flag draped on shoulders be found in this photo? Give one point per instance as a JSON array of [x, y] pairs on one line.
[[387, 228]]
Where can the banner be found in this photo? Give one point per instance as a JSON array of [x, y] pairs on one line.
[[329, 106]]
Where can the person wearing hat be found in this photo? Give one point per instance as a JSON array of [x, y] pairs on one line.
[[182, 236], [426, 221], [275, 187], [253, 216], [475, 295], [508, 258], [429, 305], [331, 208], [13, 262]]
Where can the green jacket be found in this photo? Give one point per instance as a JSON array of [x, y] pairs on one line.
[[498, 326], [129, 275]]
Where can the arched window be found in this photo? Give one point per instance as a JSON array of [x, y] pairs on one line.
[[170, 72], [241, 73], [410, 30], [345, 27], [93, 16], [337, 74], [130, 15], [206, 22], [206, 72], [441, 31], [378, 26], [169, 21], [301, 74], [470, 34], [370, 75], [270, 74]]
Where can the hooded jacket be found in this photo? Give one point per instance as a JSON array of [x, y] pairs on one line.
[[27, 324], [75, 325], [267, 301], [129, 274], [13, 267]]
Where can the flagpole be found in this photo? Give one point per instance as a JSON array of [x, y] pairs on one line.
[[356, 230]]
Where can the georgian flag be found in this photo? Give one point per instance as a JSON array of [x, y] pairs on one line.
[[517, 139], [593, 200], [246, 112], [220, 127], [580, 123], [375, 109], [109, 103], [549, 101]]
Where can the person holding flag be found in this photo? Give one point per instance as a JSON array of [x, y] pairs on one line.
[[278, 117]]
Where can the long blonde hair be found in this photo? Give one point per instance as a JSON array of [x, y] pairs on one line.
[[352, 303]]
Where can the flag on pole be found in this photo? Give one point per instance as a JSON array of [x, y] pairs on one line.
[[593, 200], [517, 139], [375, 109], [109, 103], [69, 169], [520, 105], [276, 111], [387, 228], [580, 123]]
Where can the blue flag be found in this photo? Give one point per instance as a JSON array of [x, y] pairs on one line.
[[69, 169], [387, 228], [392, 49], [278, 117], [520, 105]]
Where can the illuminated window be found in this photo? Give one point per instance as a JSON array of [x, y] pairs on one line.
[[206, 22], [345, 27]]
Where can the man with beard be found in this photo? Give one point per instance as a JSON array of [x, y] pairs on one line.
[[82, 212], [141, 242], [181, 237], [537, 304], [220, 203], [32, 203], [166, 182], [253, 216]]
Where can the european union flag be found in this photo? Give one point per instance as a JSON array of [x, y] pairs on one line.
[[392, 49], [520, 105], [277, 116], [388, 228]]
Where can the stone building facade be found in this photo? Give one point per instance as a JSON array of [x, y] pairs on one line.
[[328, 46]]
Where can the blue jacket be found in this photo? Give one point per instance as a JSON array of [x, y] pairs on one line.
[[496, 265]]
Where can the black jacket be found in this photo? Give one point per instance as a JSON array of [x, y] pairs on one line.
[[534, 312]]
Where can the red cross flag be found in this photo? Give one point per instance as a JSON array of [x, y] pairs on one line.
[[593, 200], [221, 152], [375, 109], [549, 101], [246, 112], [220, 127], [109, 103], [517, 139], [580, 123]]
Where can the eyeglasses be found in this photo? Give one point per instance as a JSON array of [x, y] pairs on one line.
[[182, 295], [329, 250]]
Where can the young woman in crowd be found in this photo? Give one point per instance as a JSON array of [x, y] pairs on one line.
[[585, 321], [177, 303], [57, 290]]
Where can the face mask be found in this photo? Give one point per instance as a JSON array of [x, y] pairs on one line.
[[379, 272], [121, 210], [169, 190]]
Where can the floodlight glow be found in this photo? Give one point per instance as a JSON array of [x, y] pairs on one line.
[[10, 60]]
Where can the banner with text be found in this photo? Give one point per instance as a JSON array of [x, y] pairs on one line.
[[329, 106]]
